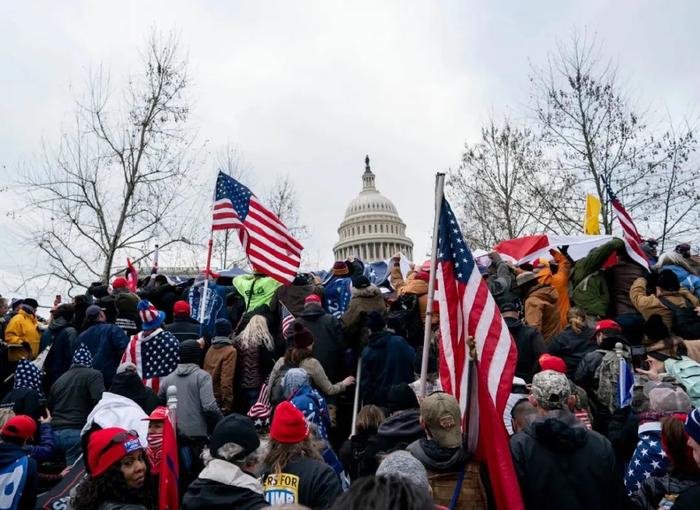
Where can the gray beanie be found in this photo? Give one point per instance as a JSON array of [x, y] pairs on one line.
[[294, 379], [404, 465]]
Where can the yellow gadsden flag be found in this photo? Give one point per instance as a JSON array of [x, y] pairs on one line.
[[591, 225]]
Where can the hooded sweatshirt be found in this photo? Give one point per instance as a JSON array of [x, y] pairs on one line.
[[395, 433], [61, 335], [15, 463], [224, 485], [387, 360], [128, 384], [561, 464], [328, 338], [437, 459]]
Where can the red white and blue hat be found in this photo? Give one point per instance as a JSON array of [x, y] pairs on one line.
[[151, 318]]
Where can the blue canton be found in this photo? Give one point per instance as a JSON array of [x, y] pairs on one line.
[[648, 460], [237, 193], [451, 246]]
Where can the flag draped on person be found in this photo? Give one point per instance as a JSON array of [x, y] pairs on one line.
[[467, 310], [168, 498], [630, 234], [287, 319], [269, 245]]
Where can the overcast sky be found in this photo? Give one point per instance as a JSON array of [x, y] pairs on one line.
[[307, 88]]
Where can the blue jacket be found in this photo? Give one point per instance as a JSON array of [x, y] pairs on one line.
[[61, 335], [106, 342], [26, 468], [337, 294], [686, 279], [44, 450], [312, 404], [387, 360]]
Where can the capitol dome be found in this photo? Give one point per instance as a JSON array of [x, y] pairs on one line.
[[372, 229]]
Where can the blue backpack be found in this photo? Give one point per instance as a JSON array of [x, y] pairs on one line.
[[12, 480]]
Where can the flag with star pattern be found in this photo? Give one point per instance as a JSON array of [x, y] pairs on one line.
[[27, 375], [155, 356], [649, 458]]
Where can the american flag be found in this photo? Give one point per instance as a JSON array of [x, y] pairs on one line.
[[155, 356], [132, 276], [649, 458], [287, 319], [267, 242], [630, 234], [467, 309]]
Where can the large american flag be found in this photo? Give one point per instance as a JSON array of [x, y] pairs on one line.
[[630, 234], [155, 356], [268, 244], [467, 309]]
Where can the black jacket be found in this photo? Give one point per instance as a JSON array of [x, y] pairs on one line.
[[128, 384], [437, 459], [74, 395], [395, 433], [688, 499], [561, 464], [387, 360], [24, 401], [585, 372], [10, 453], [352, 451], [185, 328], [654, 488], [303, 481], [530, 346], [223, 485], [572, 347], [328, 339], [61, 335]]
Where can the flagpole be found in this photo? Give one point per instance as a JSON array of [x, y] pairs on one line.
[[439, 193], [207, 272], [356, 401]]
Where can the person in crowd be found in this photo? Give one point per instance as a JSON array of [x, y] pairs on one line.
[[686, 274], [162, 294], [649, 457], [327, 331], [689, 498], [296, 386], [666, 287], [4, 308], [71, 399], [229, 478], [151, 345], [129, 384], [255, 347], [657, 337], [184, 327], [154, 450], [415, 284], [401, 428], [683, 250], [442, 453], [300, 355], [581, 407], [126, 303], [560, 271], [105, 341], [220, 362], [27, 393], [17, 464], [574, 342], [197, 410], [351, 452], [662, 491], [365, 298], [649, 247], [294, 296], [386, 361], [620, 277], [432, 377], [558, 462], [118, 474], [294, 469], [540, 303], [256, 289], [45, 448], [385, 493], [23, 330], [402, 464], [590, 291], [61, 336], [686, 371], [337, 290], [500, 279], [521, 415], [528, 340]]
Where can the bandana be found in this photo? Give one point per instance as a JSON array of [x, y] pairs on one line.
[[83, 356], [154, 451], [27, 375]]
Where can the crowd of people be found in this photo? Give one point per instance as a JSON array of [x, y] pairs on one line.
[[264, 380]]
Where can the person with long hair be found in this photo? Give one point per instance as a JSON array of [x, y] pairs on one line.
[[300, 355], [687, 275], [385, 493], [294, 469], [574, 342], [351, 452], [119, 474], [255, 347]]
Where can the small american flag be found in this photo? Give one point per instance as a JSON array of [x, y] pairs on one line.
[[467, 309], [267, 242], [630, 234], [155, 356], [287, 319]]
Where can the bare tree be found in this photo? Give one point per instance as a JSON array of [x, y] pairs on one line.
[[115, 181], [500, 185], [594, 132], [281, 199]]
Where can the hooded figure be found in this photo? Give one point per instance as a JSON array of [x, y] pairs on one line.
[[127, 383], [27, 391], [327, 331], [541, 305], [365, 298]]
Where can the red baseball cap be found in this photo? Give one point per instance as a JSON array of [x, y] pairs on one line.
[[158, 414], [119, 283], [106, 447], [21, 426], [181, 308], [312, 298], [607, 324], [549, 362]]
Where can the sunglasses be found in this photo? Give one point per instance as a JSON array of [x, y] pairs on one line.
[[129, 440]]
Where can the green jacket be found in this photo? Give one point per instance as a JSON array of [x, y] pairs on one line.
[[589, 287], [256, 290]]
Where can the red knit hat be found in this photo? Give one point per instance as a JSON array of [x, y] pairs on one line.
[[340, 268], [312, 298], [549, 362], [301, 336], [181, 308], [106, 447], [120, 283], [288, 424], [21, 426]]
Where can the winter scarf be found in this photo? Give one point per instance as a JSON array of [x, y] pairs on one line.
[[154, 451]]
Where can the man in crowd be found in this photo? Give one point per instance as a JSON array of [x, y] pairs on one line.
[[106, 342]]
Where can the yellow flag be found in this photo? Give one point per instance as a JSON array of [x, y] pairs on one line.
[[591, 225]]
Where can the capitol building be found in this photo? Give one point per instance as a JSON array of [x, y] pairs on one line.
[[372, 229]]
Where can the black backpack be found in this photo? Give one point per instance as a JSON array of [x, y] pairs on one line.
[[404, 319], [686, 322]]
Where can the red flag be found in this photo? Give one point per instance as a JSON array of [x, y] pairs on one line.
[[467, 309], [168, 498], [132, 275]]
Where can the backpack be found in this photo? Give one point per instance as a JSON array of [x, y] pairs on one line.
[[687, 371], [404, 319], [686, 323], [276, 390], [12, 480], [607, 375]]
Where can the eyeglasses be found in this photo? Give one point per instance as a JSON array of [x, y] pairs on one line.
[[125, 439]]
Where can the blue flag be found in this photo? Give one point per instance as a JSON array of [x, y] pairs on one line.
[[625, 383]]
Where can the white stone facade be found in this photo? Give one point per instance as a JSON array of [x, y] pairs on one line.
[[372, 229]]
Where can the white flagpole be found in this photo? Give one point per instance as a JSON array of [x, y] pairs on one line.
[[439, 193]]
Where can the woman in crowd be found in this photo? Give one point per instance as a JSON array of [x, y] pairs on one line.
[[351, 452], [255, 347]]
